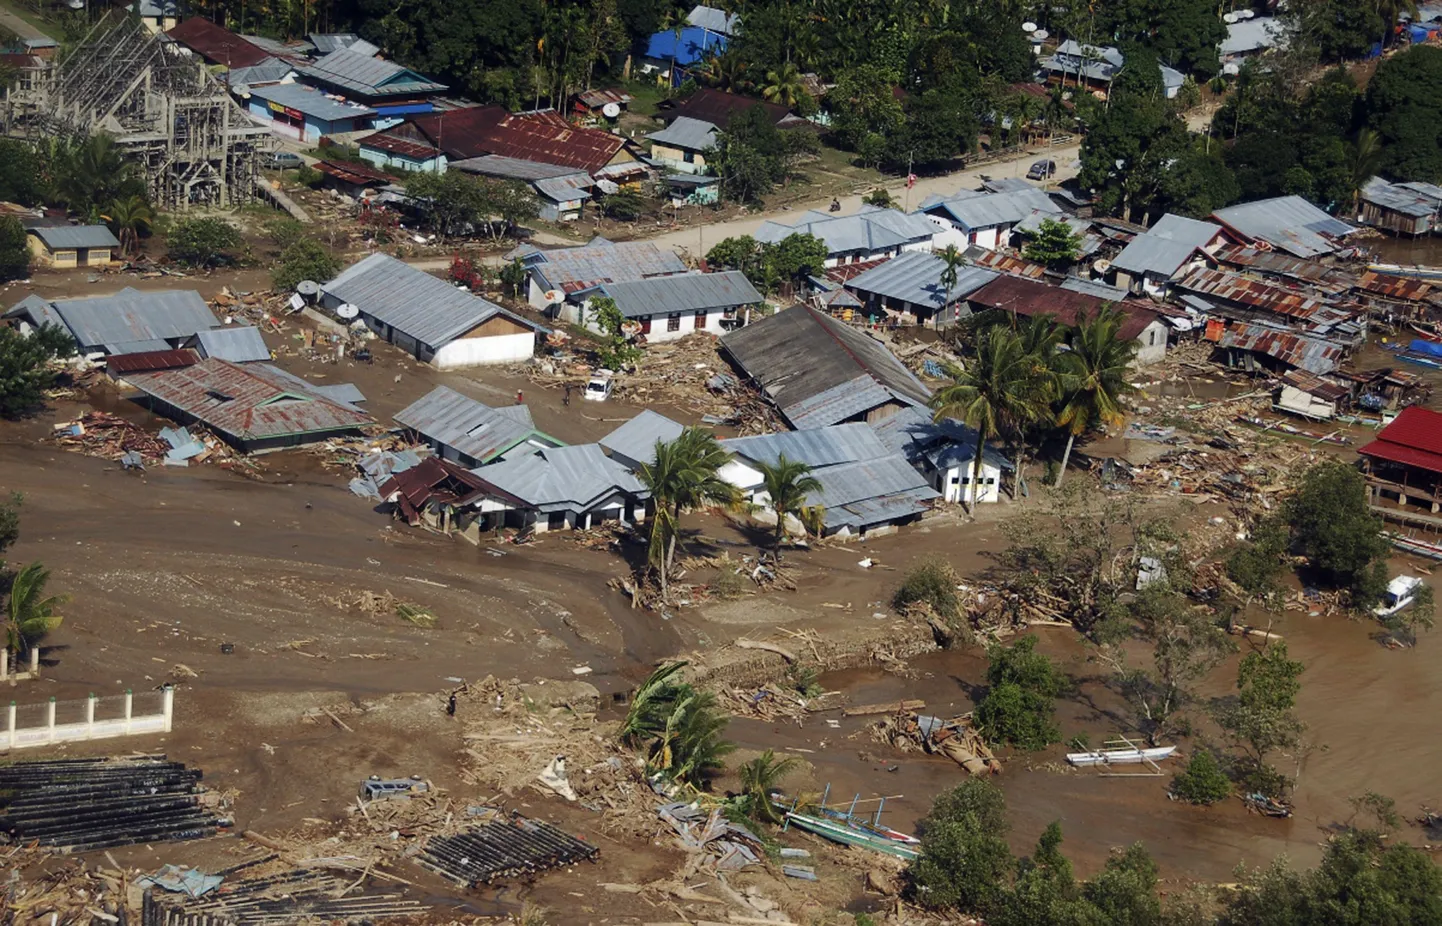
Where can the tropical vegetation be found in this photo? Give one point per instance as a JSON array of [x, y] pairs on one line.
[[683, 475], [677, 727], [787, 483]]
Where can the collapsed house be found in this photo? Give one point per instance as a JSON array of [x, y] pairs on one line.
[[192, 142], [818, 371]]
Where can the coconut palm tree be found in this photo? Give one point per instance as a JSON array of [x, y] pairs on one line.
[[1036, 387], [1093, 376], [980, 394], [784, 85], [93, 173], [1367, 152], [30, 613], [951, 259], [128, 217], [759, 778], [683, 475], [787, 482]]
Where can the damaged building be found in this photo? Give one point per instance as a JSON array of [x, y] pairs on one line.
[[167, 113]]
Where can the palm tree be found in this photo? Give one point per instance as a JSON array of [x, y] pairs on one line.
[[30, 613], [952, 259], [980, 393], [128, 218], [787, 482], [1367, 152], [784, 85], [94, 172], [682, 476], [759, 778], [1391, 11], [675, 22], [1093, 376], [1036, 385]]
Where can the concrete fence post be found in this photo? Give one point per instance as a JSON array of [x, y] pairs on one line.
[[50, 721], [4, 664], [35, 662], [14, 736], [169, 707], [90, 716], [129, 704]]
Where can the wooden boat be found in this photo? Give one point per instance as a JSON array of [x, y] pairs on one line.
[[1426, 331], [850, 836], [1421, 360], [1125, 756], [1426, 548]]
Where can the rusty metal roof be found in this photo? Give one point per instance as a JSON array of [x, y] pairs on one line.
[[217, 44], [1030, 298], [146, 361], [395, 144], [351, 172], [1005, 263], [1384, 284], [246, 403], [1313, 384], [1324, 278], [1315, 355], [1257, 294]]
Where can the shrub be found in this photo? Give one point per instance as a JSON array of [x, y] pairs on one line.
[[931, 582], [1202, 781], [306, 175], [304, 259], [14, 249], [1019, 706], [965, 861], [284, 231], [203, 242]]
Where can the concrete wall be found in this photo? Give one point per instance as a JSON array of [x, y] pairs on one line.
[[473, 352], [384, 159], [1153, 343], [581, 314], [955, 486], [676, 158], [1302, 403]]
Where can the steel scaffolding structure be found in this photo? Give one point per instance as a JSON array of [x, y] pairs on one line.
[[194, 143]]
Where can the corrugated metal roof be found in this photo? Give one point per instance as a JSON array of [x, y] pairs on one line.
[[495, 165], [1005, 263], [147, 346], [75, 236], [347, 394], [1157, 256], [413, 302], [327, 42], [1286, 222], [1313, 384], [683, 292], [1394, 287], [406, 147], [38, 310], [870, 491], [692, 45], [564, 189], [1314, 355], [1395, 198], [1250, 35], [869, 230], [267, 72], [131, 315], [563, 478], [1329, 279], [987, 210], [1414, 438], [636, 439], [1430, 190], [150, 360], [915, 277], [816, 447], [708, 17], [1257, 294], [1180, 228], [311, 102], [1094, 288], [546, 136], [247, 403], [473, 429], [686, 133], [718, 107], [1030, 298], [819, 371], [216, 43], [912, 433], [350, 70], [573, 269], [238, 345]]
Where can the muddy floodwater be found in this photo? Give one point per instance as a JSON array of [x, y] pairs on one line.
[[1371, 713]]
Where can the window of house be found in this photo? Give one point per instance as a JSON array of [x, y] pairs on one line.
[[700, 319], [673, 322], [1152, 339], [689, 157], [646, 325]]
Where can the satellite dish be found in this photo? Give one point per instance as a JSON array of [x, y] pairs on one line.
[[308, 288], [1231, 69], [1229, 18], [611, 110], [1246, 14], [1039, 34], [347, 311], [242, 91], [1101, 265], [555, 295], [1028, 27]]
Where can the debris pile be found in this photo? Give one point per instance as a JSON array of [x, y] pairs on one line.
[[731, 846], [70, 893], [504, 846], [79, 805], [956, 739], [111, 437]]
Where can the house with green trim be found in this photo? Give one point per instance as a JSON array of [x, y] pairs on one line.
[[471, 433]]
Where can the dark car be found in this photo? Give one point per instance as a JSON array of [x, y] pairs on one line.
[[1042, 170], [283, 160]]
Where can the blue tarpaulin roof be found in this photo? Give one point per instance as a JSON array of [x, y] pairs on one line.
[[1430, 348], [694, 45]]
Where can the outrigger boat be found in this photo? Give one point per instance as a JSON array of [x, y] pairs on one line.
[[1427, 548], [1127, 755], [845, 827], [1426, 330]]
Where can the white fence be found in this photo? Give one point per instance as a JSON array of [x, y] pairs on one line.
[[89, 719], [13, 673]]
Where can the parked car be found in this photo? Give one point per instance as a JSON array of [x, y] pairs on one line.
[[283, 160], [1401, 592], [598, 389], [1042, 170]]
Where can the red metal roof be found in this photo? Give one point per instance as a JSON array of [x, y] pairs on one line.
[[1413, 439], [246, 402], [1006, 263], [1394, 287], [1030, 298], [460, 133], [718, 107], [151, 360], [351, 172], [217, 44], [435, 479], [396, 144], [843, 272], [545, 137]]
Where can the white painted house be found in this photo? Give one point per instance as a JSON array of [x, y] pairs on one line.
[[427, 317], [976, 218], [670, 307], [872, 233], [945, 453], [1170, 249]]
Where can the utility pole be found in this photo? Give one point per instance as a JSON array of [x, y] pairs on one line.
[[910, 159]]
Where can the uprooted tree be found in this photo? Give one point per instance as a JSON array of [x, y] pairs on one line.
[[677, 727]]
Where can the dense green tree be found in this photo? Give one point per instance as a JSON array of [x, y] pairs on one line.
[[940, 126], [203, 242], [1128, 152], [682, 475], [1202, 781], [626, 204], [790, 260], [862, 104], [1022, 687], [965, 862], [1125, 892], [1053, 243], [1183, 34], [1341, 30], [1093, 378], [979, 393], [21, 173], [29, 612], [14, 249], [1404, 106], [678, 727], [1333, 525], [303, 259], [26, 369], [1262, 719]]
